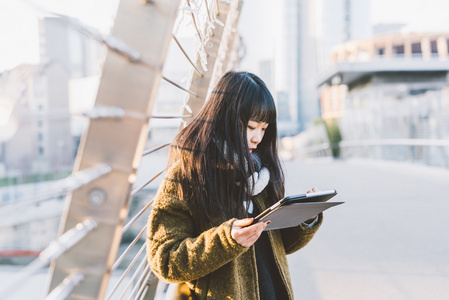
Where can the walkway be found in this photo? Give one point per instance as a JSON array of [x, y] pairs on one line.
[[389, 241]]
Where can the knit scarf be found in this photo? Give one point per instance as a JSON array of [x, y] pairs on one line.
[[260, 178], [258, 181]]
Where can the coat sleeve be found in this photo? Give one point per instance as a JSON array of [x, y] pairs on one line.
[[175, 252], [295, 238]]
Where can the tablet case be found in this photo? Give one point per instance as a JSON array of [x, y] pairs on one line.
[[294, 210], [294, 214]]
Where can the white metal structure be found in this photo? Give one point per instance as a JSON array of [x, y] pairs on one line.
[[101, 187]]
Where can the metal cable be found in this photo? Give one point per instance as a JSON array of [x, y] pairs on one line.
[[207, 10], [112, 42], [63, 290], [141, 279], [211, 24], [149, 151], [131, 280], [144, 278], [53, 251], [133, 193], [144, 292], [63, 186], [172, 117], [209, 18], [115, 43], [130, 246], [143, 287], [188, 58], [197, 30], [136, 190], [194, 23], [128, 269], [217, 9], [113, 112], [180, 87], [131, 222], [101, 112]]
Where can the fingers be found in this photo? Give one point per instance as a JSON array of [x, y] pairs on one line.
[[249, 231], [313, 190], [243, 222], [247, 236]]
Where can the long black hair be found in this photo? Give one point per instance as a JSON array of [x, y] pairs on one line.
[[213, 150]]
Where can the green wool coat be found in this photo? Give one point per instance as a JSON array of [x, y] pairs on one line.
[[209, 260]]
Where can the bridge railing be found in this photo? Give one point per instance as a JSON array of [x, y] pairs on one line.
[[413, 150], [432, 152], [101, 190]]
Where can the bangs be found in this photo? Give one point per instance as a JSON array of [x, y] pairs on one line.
[[258, 105], [256, 100], [263, 110]]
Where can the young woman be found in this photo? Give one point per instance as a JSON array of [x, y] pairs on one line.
[[225, 170]]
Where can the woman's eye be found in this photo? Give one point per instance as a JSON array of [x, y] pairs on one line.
[[251, 128]]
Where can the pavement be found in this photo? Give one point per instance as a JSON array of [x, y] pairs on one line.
[[389, 241]]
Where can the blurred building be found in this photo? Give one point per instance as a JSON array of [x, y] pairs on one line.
[[40, 93], [286, 33], [81, 57], [393, 86], [305, 32], [42, 143], [62, 43], [339, 21]]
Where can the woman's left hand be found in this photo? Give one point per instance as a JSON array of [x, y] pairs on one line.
[[313, 190]]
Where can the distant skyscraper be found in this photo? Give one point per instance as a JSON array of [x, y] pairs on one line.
[[286, 35], [304, 34], [322, 25], [60, 42], [340, 21]]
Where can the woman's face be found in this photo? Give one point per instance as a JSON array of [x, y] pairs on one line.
[[254, 133]]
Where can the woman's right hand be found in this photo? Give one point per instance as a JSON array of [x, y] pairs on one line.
[[247, 235]]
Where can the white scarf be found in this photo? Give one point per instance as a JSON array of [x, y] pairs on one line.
[[258, 181], [260, 178]]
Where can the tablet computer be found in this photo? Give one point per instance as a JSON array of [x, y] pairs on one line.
[[295, 209], [320, 196]]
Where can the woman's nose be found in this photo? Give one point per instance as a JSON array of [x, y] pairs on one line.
[[256, 138]]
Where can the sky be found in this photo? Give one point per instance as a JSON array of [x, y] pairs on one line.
[[19, 27], [422, 15]]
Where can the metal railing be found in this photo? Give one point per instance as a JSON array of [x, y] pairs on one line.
[[101, 189], [384, 149], [374, 149]]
